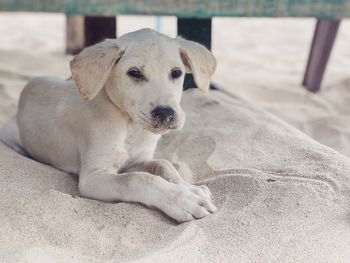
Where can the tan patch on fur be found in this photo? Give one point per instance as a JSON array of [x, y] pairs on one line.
[[83, 93]]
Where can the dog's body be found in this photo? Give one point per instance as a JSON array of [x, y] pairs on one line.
[[131, 89], [72, 117]]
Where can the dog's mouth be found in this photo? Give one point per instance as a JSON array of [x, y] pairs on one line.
[[155, 126]]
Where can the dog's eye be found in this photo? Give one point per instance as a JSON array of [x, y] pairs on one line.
[[176, 73], [135, 74]]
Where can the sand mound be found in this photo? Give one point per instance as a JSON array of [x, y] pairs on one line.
[[282, 197]]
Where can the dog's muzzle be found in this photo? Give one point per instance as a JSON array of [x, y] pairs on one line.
[[164, 117]]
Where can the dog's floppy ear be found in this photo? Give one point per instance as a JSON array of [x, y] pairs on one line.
[[92, 66], [199, 61]]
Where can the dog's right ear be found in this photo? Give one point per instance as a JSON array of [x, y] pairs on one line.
[[92, 66]]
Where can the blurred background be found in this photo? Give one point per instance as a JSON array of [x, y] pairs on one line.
[[261, 60]]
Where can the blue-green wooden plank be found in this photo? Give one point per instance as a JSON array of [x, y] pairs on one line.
[[187, 8]]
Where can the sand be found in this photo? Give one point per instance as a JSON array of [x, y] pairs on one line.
[[283, 196]]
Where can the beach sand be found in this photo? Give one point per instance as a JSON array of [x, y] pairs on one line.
[[274, 155]]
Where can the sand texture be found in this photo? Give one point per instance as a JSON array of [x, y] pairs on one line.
[[282, 197]]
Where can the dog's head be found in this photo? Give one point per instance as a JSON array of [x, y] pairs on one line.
[[142, 73]]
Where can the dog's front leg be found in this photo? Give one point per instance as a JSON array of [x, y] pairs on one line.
[[99, 179], [160, 167], [166, 170], [180, 202]]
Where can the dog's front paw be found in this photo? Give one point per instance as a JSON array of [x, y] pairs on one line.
[[189, 202]]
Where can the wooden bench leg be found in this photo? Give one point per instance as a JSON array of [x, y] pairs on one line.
[[321, 47], [198, 30], [86, 31], [99, 28], [74, 34]]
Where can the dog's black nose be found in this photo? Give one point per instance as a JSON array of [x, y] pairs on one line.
[[164, 115]]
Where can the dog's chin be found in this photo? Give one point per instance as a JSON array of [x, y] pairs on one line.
[[158, 130]]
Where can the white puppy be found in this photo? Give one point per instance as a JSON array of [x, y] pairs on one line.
[[130, 90]]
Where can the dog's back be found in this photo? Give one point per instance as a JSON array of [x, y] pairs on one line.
[[9, 135]]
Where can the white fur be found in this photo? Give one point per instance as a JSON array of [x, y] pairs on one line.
[[107, 134]]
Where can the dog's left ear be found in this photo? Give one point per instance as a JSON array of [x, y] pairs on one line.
[[198, 60], [91, 67]]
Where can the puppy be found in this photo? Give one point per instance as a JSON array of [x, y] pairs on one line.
[[105, 121]]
